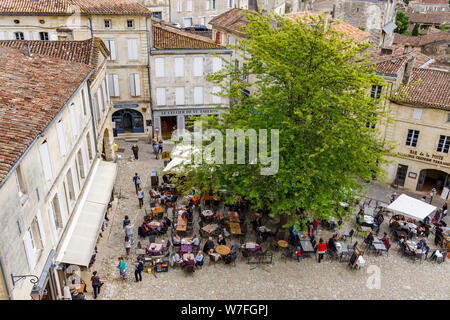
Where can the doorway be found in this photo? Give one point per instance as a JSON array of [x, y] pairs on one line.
[[401, 175], [128, 120], [168, 125], [127, 123], [431, 178]]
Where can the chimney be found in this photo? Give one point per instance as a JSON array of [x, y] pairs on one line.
[[26, 50], [408, 68], [407, 49]]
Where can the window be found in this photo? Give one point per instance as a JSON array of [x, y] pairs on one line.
[[21, 186], [157, 14], [448, 117], [61, 138], [179, 96], [159, 67], [70, 185], [36, 235], [213, 4], [444, 144], [57, 212], [113, 83], [202, 21], [19, 36], [189, 5], [43, 35], [179, 67], [417, 114], [217, 64], [207, 4], [376, 92], [161, 96], [81, 164], [45, 158], [89, 146], [130, 24], [198, 67], [135, 85], [132, 49], [187, 22], [83, 101], [73, 119], [198, 95], [100, 104], [108, 24], [412, 137], [111, 45], [179, 6]]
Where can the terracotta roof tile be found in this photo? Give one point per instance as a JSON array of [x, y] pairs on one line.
[[423, 40], [231, 20], [433, 17], [33, 91]]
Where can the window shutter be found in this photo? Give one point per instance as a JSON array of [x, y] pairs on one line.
[[29, 250], [179, 67], [198, 67], [108, 93], [41, 227], [216, 99], [132, 49], [11, 36], [137, 84], [198, 95], [61, 208], [417, 113], [61, 138], [217, 64], [100, 104], [26, 35], [105, 99], [112, 49], [2, 35], [159, 67], [73, 119], [189, 5], [179, 96], [179, 6], [132, 86], [36, 36], [53, 224], [110, 81], [161, 96], [52, 36], [207, 4], [116, 85], [46, 163]]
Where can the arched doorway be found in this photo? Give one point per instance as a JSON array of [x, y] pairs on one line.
[[107, 152], [432, 178], [128, 120]]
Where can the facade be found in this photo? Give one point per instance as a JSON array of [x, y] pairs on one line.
[[423, 6], [123, 25], [160, 8], [47, 169], [180, 63], [417, 140]]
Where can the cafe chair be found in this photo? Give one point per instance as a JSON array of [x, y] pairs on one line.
[[152, 238], [189, 269]]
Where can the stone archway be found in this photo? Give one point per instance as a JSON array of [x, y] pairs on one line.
[[432, 178], [107, 151]]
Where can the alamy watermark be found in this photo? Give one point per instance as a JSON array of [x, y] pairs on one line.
[[213, 153]]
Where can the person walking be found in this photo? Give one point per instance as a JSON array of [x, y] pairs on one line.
[[126, 221], [96, 284], [160, 145], [127, 245], [135, 150], [321, 249], [140, 197], [137, 181], [122, 268], [129, 231], [299, 253], [139, 267], [155, 147]]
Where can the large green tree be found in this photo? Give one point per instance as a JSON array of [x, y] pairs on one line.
[[313, 85], [402, 22]]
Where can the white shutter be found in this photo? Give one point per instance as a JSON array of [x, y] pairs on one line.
[[159, 67], [73, 119], [26, 35], [179, 6], [216, 99], [53, 224], [62, 209], [100, 103], [417, 114], [198, 95], [189, 5], [179, 96], [108, 92], [179, 67], [11, 36], [36, 36], [137, 84], [217, 64], [132, 86], [161, 96], [29, 250], [2, 35], [207, 4], [198, 66], [110, 81], [46, 163], [52, 36], [41, 227], [132, 49], [116, 85], [61, 138], [112, 49], [105, 100]]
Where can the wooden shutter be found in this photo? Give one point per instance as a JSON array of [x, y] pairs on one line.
[[52, 36], [108, 92], [189, 5], [105, 99], [179, 96], [41, 227], [26, 35], [198, 95], [46, 163], [36, 36], [116, 85], [73, 119], [161, 96], [198, 66], [100, 103], [179, 67], [29, 250], [53, 224], [11, 36], [217, 64], [61, 138], [417, 113], [179, 5], [135, 84], [216, 99], [2, 35], [159, 67], [110, 81], [112, 49], [207, 4], [132, 49]]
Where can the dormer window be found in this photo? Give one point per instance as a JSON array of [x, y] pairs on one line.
[[107, 24], [130, 24], [19, 36]]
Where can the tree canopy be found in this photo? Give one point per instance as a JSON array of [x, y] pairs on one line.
[[402, 22], [313, 85]]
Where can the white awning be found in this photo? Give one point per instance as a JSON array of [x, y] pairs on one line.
[[81, 236], [411, 207]]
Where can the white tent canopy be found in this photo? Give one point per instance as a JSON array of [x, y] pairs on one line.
[[411, 207]]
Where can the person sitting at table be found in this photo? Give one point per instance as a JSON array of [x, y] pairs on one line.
[[359, 217], [209, 245], [195, 240], [199, 259], [385, 239], [184, 215], [221, 241], [229, 258], [141, 231], [176, 239], [422, 245], [332, 243], [189, 262], [370, 237]]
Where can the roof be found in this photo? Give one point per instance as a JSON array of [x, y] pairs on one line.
[[423, 40], [434, 1], [393, 63], [232, 20], [34, 89], [429, 88], [67, 7], [170, 38], [431, 17]]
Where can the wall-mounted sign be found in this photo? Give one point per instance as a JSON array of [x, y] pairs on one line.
[[186, 112], [412, 175], [127, 106], [427, 157]]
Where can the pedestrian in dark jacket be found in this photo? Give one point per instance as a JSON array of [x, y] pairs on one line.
[[139, 267], [135, 150]]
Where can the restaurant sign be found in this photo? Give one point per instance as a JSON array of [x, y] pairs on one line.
[[425, 156], [184, 112]]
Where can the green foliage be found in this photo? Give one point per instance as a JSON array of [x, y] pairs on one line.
[[402, 22], [415, 31], [312, 84]]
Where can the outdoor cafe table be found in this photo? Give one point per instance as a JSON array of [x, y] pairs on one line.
[[368, 219], [186, 248], [307, 246], [157, 209], [207, 213], [342, 250], [155, 248], [379, 246], [411, 244], [154, 225], [234, 216], [188, 256], [209, 228], [181, 223], [217, 198], [223, 250], [235, 228], [252, 246]]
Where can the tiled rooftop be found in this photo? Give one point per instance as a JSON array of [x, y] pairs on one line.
[[34, 89], [423, 40], [431, 17]]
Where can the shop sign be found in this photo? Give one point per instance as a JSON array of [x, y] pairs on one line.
[[184, 112], [127, 106], [425, 156], [412, 175]]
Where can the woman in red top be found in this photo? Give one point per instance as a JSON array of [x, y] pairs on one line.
[[321, 249]]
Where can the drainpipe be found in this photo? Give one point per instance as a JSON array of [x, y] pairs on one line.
[[170, 12], [92, 114], [5, 280], [149, 50], [90, 27]]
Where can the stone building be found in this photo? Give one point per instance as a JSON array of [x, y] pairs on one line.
[[423, 6], [417, 140], [49, 162], [179, 64], [123, 25], [160, 8]]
